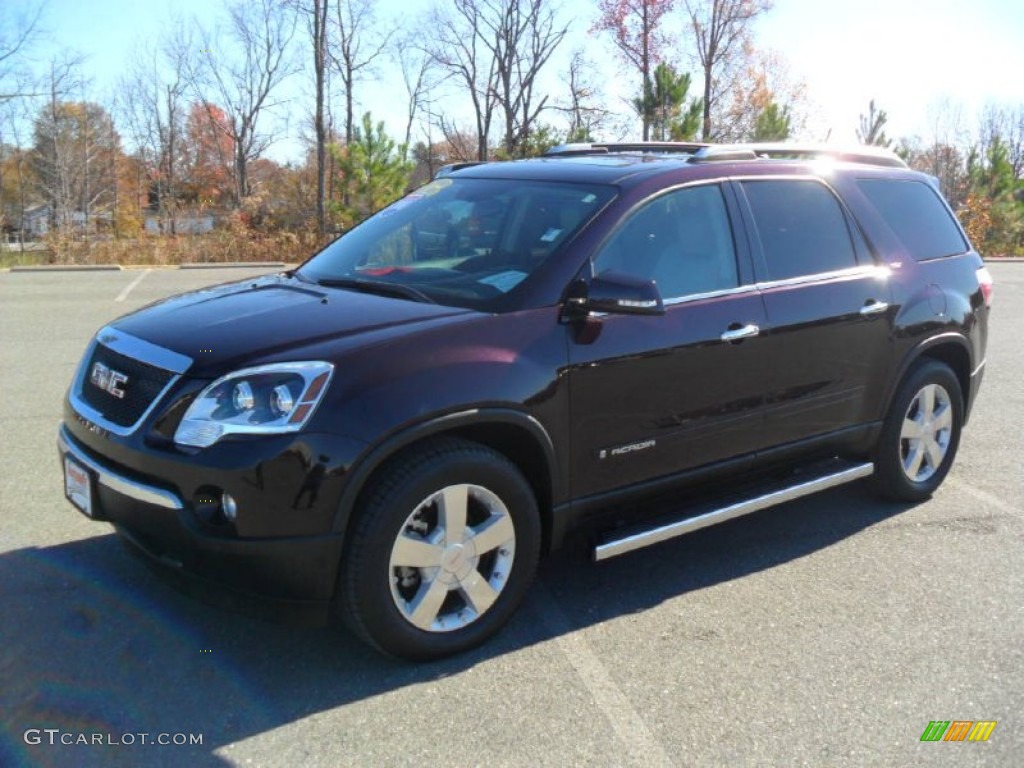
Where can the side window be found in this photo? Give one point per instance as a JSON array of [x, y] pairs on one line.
[[681, 240], [913, 211], [802, 228]]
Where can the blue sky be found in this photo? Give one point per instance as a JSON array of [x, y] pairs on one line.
[[911, 56]]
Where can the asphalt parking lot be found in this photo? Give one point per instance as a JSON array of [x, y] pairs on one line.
[[827, 632]]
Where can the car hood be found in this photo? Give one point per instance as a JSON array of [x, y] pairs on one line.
[[274, 318]]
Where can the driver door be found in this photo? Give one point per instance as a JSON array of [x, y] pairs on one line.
[[652, 396]]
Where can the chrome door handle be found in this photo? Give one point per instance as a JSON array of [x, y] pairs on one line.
[[746, 332], [874, 308]]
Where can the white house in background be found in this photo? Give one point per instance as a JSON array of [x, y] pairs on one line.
[[36, 220], [183, 225]]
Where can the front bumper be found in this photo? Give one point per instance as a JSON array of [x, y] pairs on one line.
[[301, 570]]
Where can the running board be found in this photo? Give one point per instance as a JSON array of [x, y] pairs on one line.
[[806, 487]]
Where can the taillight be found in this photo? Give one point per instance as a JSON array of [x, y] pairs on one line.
[[985, 281]]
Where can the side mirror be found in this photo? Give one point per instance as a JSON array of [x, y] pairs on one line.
[[614, 293]]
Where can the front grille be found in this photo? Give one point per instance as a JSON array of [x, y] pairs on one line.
[[144, 383]]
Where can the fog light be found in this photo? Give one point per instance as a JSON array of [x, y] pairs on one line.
[[229, 507]]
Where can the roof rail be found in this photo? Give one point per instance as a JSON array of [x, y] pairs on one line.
[[644, 147], [705, 153], [723, 152], [856, 153]]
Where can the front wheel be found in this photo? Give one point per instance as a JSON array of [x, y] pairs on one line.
[[920, 434], [442, 551]]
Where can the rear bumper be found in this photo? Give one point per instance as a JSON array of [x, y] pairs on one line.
[[298, 570]]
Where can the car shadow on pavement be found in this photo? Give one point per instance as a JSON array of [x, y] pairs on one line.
[[91, 641]]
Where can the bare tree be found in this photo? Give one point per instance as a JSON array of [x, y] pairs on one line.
[[15, 196], [459, 51], [419, 77], [1007, 125], [315, 13], [494, 50], [584, 117], [153, 110], [944, 153], [520, 35], [241, 71], [17, 34], [749, 85], [54, 143], [457, 146], [720, 28], [356, 46], [634, 25]]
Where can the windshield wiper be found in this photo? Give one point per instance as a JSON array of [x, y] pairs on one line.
[[380, 287]]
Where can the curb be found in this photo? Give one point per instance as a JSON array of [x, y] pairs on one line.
[[232, 265], [119, 267], [67, 268]]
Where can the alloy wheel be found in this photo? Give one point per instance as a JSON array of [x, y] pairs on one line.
[[452, 558], [926, 432]]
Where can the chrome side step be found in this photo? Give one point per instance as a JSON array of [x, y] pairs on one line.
[[661, 533]]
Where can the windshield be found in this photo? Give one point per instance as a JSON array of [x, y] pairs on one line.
[[459, 242]]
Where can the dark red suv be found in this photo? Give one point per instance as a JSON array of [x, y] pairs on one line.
[[400, 427]]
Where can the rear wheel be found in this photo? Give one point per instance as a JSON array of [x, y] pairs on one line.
[[921, 433], [442, 551]]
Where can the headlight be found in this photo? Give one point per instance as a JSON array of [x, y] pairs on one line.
[[268, 399]]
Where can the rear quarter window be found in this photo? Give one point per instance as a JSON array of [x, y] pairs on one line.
[[916, 215]]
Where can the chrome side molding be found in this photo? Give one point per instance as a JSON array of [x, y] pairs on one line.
[[671, 530]]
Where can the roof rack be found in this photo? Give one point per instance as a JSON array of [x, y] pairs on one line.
[[643, 147], [705, 153], [856, 153]]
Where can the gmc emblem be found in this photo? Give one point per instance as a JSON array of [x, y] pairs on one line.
[[107, 379]]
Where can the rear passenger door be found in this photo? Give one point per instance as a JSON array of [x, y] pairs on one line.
[[827, 305]]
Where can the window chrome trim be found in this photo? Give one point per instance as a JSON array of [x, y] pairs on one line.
[[876, 271], [751, 288], [115, 481], [138, 349]]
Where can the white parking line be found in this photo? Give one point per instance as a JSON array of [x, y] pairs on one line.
[[627, 724], [128, 289]]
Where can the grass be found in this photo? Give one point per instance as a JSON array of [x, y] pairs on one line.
[[166, 250]]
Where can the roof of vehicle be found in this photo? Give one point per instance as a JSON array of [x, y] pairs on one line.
[[617, 163]]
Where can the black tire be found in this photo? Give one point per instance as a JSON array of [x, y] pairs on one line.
[[376, 598], [892, 479]]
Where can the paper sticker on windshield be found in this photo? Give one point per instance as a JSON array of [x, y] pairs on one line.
[[504, 281], [433, 187], [550, 235]]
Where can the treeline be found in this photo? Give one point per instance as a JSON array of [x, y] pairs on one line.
[[180, 144]]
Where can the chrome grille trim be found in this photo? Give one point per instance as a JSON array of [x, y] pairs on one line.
[[129, 346]]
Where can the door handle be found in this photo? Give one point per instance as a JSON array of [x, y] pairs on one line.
[[873, 308], [736, 334]]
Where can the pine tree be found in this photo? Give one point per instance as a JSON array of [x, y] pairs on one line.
[[773, 123], [661, 106], [373, 172]]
